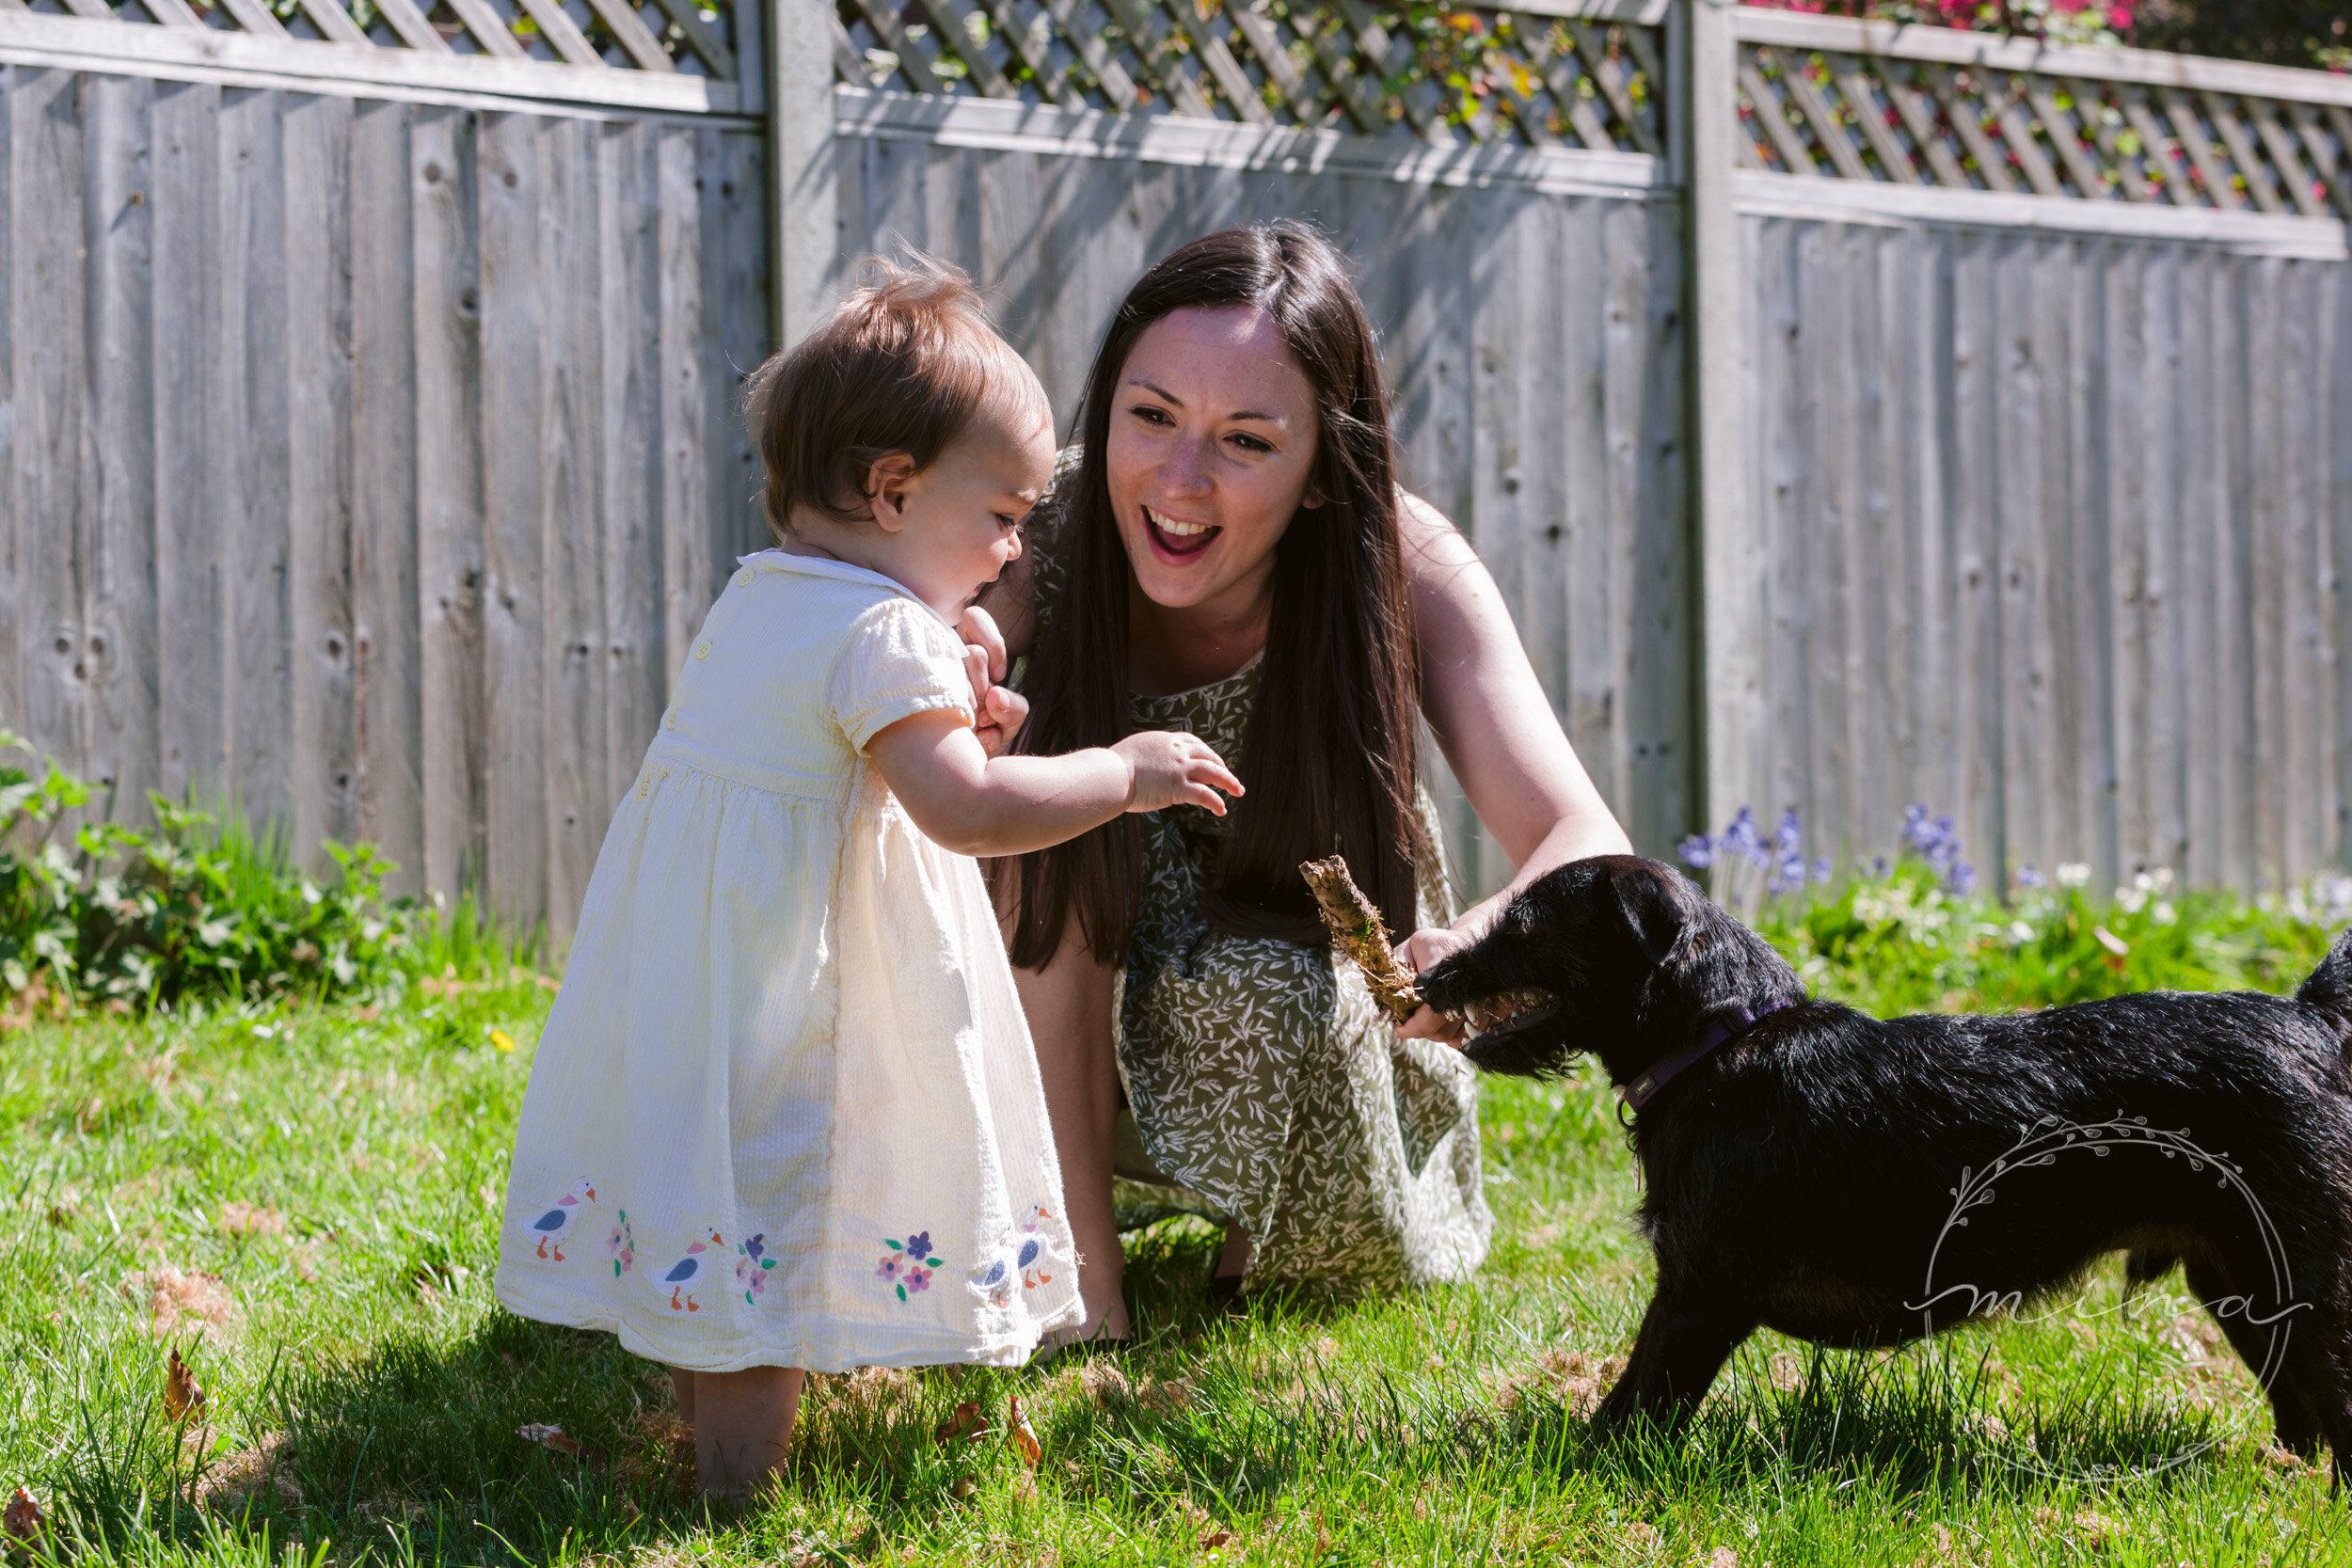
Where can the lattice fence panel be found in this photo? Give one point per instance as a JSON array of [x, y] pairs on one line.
[[627, 35], [1917, 123], [1483, 75]]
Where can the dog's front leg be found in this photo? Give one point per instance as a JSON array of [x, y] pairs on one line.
[[1682, 1345]]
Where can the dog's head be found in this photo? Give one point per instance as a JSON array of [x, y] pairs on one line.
[[1616, 955]]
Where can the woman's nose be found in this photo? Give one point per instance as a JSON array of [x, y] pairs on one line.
[[1186, 472]]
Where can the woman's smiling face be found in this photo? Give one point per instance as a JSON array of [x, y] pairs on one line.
[[1212, 443]]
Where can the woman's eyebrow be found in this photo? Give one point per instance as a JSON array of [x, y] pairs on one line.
[[1165, 396]]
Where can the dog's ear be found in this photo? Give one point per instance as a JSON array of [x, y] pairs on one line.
[[1652, 907]]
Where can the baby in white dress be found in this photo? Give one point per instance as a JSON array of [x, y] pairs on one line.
[[786, 1113]]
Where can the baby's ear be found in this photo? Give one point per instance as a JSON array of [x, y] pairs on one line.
[[886, 489]]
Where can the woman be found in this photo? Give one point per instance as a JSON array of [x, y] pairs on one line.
[[1230, 554]]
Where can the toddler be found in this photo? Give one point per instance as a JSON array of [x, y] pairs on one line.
[[785, 1114]]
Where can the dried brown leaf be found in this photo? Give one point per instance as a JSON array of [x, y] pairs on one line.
[[1021, 1436], [183, 1397], [966, 1424], [554, 1437], [1218, 1539], [23, 1523]]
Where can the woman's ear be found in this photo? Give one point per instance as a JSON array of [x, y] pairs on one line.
[[886, 489]]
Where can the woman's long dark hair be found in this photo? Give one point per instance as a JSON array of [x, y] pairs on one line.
[[1329, 757]]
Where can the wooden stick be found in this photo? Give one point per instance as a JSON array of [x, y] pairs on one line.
[[1358, 931]]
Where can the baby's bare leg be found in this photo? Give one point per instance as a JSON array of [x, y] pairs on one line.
[[742, 1423]]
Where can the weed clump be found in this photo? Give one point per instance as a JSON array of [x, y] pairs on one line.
[[102, 915]]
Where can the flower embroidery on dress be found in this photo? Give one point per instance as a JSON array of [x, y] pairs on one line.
[[622, 1245], [752, 1264], [908, 1265]]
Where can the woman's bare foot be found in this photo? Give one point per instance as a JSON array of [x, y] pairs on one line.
[[743, 1425]]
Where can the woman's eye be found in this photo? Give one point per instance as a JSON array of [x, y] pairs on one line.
[[1150, 414], [1252, 443]]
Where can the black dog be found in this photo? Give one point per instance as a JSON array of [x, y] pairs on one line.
[[1855, 1182]]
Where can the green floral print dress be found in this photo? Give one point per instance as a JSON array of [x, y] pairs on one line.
[[1266, 1084]]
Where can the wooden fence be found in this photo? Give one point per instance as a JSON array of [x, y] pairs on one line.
[[1850, 415]]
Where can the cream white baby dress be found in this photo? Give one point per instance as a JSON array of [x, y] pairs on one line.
[[785, 1111]]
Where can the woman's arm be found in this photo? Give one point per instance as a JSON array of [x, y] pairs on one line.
[[1496, 727]]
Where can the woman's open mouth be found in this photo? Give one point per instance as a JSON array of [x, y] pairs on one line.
[[1177, 541]]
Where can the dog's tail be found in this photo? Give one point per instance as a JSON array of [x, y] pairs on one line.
[[2328, 991]]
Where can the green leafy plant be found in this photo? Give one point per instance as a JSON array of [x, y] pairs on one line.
[[107, 914]]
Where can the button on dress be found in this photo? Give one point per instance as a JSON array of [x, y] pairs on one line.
[[785, 1111]]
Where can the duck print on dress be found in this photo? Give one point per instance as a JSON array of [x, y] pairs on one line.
[[752, 1264], [909, 1264], [1029, 1260], [622, 1245], [691, 1273], [560, 1221], [1036, 1253]]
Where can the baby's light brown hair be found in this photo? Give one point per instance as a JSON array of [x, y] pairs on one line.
[[906, 364]]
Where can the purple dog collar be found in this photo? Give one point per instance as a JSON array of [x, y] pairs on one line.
[[1633, 1096]]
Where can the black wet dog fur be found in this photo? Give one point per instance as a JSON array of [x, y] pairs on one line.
[[1802, 1175]]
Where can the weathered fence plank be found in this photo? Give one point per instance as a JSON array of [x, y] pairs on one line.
[[191, 466], [385, 640], [121, 613], [516, 307], [318, 309]]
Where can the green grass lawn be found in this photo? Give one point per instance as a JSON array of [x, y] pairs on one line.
[[301, 1200]]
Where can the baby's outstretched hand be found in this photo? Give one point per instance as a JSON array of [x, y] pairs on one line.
[[1172, 768]]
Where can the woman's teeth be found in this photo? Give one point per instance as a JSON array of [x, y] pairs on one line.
[[1173, 529]]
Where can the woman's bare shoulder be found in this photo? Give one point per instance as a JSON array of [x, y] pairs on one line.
[[1445, 572]]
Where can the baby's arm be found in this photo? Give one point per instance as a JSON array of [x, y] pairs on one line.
[[973, 804]]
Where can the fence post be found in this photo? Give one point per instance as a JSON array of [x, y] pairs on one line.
[[1728, 619], [803, 216]]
